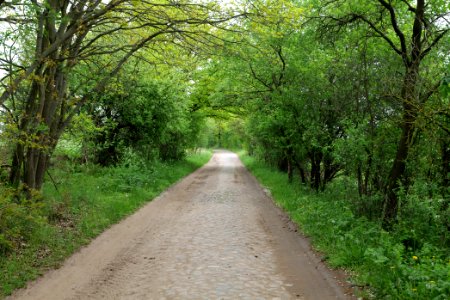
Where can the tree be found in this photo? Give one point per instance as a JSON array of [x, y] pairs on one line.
[[412, 32], [64, 35], [149, 116]]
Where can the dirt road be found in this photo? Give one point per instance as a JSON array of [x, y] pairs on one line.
[[214, 235]]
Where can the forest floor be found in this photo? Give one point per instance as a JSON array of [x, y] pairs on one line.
[[214, 235]]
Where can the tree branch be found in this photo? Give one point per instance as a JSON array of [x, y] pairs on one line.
[[259, 79], [381, 34], [410, 7], [279, 52], [397, 30], [434, 43], [416, 38], [102, 83]]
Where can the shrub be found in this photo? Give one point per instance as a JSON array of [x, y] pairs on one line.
[[19, 218], [409, 262]]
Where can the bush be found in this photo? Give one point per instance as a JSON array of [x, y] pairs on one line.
[[19, 219]]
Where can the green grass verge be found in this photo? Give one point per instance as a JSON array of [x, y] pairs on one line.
[[379, 262], [89, 200]]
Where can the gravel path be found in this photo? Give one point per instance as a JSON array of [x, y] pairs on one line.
[[214, 235]]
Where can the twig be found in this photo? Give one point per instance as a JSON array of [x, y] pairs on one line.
[[53, 181]]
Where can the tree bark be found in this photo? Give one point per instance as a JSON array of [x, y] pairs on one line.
[[398, 175], [410, 97], [316, 159], [16, 166], [301, 171], [360, 180], [445, 166]]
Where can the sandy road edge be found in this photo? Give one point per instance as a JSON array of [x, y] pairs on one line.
[[291, 238], [88, 261]]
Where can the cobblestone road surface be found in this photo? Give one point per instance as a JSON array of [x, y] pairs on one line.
[[214, 235]]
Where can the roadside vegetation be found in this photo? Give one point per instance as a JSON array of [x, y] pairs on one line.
[[382, 265], [83, 201]]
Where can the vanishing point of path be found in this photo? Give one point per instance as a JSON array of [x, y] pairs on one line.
[[214, 235]]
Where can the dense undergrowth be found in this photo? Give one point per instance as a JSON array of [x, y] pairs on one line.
[[78, 202], [384, 265]]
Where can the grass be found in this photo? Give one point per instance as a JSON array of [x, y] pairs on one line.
[[380, 264], [88, 200]]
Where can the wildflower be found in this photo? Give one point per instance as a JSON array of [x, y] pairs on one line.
[[415, 257]]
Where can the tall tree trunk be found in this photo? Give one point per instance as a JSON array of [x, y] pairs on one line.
[[18, 169], [41, 168], [445, 166], [316, 159], [301, 171], [360, 180], [367, 172], [15, 173], [40, 129], [290, 171], [398, 175], [330, 169]]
